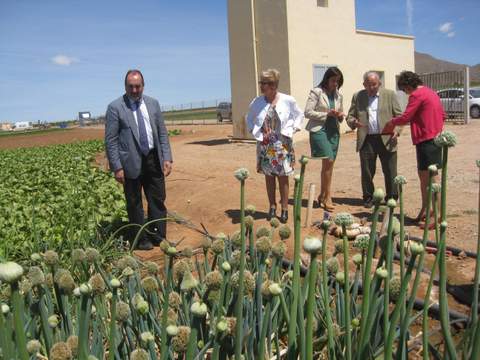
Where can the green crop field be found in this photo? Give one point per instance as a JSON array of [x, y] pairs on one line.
[[202, 114], [53, 197]]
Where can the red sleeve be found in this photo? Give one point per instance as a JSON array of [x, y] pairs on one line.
[[414, 103]]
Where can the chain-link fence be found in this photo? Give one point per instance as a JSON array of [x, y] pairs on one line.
[[451, 87], [204, 104]]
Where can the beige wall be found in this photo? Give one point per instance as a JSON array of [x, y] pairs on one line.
[[293, 35], [242, 61], [266, 24]]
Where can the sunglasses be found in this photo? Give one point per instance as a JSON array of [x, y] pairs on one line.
[[265, 82]]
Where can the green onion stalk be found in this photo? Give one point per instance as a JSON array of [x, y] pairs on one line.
[[326, 293], [292, 326], [344, 220], [430, 283], [399, 308], [115, 284], [474, 309], [400, 181], [312, 246], [11, 273], [391, 203], [405, 322], [241, 175], [366, 316], [18, 315], [84, 320], [445, 140]]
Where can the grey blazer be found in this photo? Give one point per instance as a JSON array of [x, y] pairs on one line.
[[121, 136]]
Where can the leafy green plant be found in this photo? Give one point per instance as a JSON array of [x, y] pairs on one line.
[[55, 198]]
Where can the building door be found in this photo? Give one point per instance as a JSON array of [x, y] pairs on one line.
[[318, 71]]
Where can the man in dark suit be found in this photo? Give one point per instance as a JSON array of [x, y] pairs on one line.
[[370, 110], [139, 155]]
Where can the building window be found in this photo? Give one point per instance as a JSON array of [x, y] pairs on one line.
[[318, 71], [322, 3]]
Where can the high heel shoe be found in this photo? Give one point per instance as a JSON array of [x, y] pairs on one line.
[[284, 216], [272, 213], [319, 202], [327, 207]]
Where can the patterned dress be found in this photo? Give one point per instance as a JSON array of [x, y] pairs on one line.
[[275, 154]]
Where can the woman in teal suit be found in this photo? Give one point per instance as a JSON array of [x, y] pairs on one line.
[[324, 109]]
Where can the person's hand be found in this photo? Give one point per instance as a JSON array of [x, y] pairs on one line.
[[394, 136], [332, 112], [388, 129], [356, 123], [340, 115], [167, 167], [120, 176]]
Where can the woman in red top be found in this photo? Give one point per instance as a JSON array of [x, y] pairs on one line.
[[425, 114]]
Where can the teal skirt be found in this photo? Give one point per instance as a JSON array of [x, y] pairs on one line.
[[324, 143]]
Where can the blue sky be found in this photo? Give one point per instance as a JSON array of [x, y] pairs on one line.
[[64, 56]]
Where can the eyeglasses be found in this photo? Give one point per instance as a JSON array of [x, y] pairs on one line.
[[265, 82]]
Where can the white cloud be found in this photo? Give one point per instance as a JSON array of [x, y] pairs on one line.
[[64, 60], [446, 28], [451, 34], [409, 5]]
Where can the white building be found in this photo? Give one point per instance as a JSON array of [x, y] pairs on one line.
[[302, 38]]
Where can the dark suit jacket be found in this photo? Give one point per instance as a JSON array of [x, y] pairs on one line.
[[121, 136], [388, 108]]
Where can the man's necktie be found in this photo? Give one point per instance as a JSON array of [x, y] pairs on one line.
[[142, 130]]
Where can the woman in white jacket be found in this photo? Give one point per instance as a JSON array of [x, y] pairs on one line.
[[272, 119]]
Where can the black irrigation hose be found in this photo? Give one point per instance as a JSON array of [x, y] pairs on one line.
[[455, 251], [419, 304]]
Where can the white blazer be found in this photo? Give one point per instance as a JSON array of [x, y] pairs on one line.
[[290, 115]]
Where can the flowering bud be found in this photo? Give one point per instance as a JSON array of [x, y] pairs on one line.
[[172, 330], [147, 337], [416, 248], [340, 277], [382, 273], [199, 309], [391, 203], [53, 321], [33, 346], [275, 289], [357, 259], [241, 174], [226, 266], [115, 283], [10, 272], [378, 195]]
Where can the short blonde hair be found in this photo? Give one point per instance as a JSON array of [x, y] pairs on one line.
[[271, 76]]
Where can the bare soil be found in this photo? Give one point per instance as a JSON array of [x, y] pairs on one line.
[[203, 190]]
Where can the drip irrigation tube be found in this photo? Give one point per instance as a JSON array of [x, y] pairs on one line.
[[419, 304]]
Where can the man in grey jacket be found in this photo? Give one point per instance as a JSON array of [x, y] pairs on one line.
[[370, 110], [139, 155]]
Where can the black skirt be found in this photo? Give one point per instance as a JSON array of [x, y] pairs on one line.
[[428, 154]]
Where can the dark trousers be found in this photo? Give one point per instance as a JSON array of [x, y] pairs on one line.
[[372, 148], [152, 181]]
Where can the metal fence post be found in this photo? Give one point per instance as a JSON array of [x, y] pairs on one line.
[[466, 94]]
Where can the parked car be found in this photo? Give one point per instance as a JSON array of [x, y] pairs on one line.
[[224, 111], [452, 100]]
